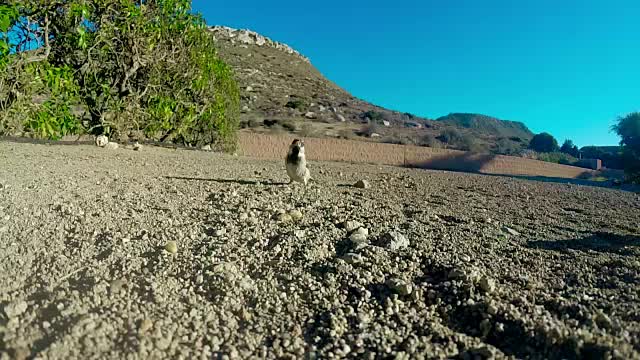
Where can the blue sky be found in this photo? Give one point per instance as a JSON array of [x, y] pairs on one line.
[[568, 67]]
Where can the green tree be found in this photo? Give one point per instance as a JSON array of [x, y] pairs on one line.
[[569, 148], [628, 128], [137, 68], [543, 142]]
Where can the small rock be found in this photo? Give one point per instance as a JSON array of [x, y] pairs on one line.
[[171, 247], [15, 309], [243, 217], [400, 286], [221, 232], [363, 231], [249, 88], [357, 238], [199, 279], [465, 258], [4, 229], [111, 146], [341, 118], [603, 321], [245, 108], [296, 215], [487, 285], [352, 225], [145, 325], [300, 234], [116, 286], [510, 231], [456, 274], [137, 146], [362, 184], [310, 115], [353, 258], [102, 141], [206, 148], [283, 218], [394, 240]]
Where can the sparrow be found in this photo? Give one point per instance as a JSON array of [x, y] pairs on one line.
[[296, 163]]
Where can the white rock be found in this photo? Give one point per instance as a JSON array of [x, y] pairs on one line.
[[206, 148], [15, 309], [341, 118], [352, 225], [111, 145], [310, 115], [102, 141]]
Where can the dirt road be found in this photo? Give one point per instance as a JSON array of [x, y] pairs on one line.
[[180, 254]]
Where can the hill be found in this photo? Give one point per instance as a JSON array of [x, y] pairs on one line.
[[281, 91], [488, 125]]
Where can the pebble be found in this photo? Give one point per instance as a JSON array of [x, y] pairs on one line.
[[145, 325], [487, 285], [102, 141], [283, 218], [511, 231], [394, 240], [137, 146], [199, 279], [15, 309], [362, 184], [171, 247], [603, 321], [296, 215], [456, 274], [111, 145], [352, 225], [465, 258], [300, 234], [221, 232], [352, 258], [400, 286]]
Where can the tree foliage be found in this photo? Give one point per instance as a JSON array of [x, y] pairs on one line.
[[143, 69], [569, 148], [628, 128], [543, 142]]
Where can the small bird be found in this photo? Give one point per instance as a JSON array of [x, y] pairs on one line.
[[296, 163]]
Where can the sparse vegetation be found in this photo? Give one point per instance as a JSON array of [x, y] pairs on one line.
[[429, 140], [544, 143], [115, 68], [628, 128], [373, 116], [297, 104]]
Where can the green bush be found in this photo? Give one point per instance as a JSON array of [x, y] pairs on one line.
[[135, 67], [544, 143], [557, 158], [298, 104], [569, 148]]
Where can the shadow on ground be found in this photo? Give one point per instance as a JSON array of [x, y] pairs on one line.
[[603, 242]]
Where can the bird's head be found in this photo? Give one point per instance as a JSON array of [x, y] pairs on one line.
[[299, 144]]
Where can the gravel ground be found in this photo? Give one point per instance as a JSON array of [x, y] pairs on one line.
[[160, 253]]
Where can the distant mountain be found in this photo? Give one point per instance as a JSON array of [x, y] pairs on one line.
[[281, 91], [488, 125]]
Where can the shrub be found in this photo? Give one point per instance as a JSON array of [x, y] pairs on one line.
[[557, 158], [134, 66], [628, 128], [298, 104], [369, 130], [374, 116], [506, 146], [543, 142], [569, 148], [428, 140]]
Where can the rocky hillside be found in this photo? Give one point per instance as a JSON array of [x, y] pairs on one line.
[[283, 91]]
